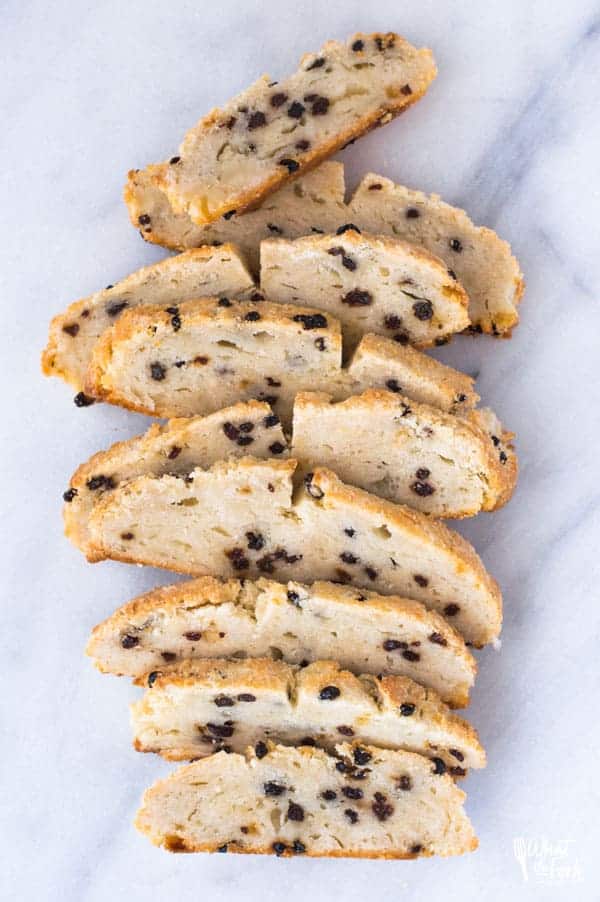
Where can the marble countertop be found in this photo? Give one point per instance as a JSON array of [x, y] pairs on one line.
[[509, 130]]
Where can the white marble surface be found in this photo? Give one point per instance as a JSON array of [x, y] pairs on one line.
[[510, 130]]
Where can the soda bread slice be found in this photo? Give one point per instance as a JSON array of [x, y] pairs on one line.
[[210, 618], [371, 284], [222, 351], [238, 154], [176, 447], [243, 517], [444, 465], [206, 271], [198, 707], [357, 802], [312, 203], [480, 259]]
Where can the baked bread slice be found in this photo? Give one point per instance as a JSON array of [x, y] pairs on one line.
[[370, 283], [479, 258], [358, 802], [312, 203], [199, 707], [238, 154], [444, 465], [175, 447], [212, 618], [205, 271], [224, 351], [243, 517], [484, 263]]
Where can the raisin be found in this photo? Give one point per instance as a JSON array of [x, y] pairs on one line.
[[144, 219], [407, 709], [349, 263], [351, 814], [457, 771], [224, 302], [255, 541], [299, 848], [260, 749], [303, 144], [405, 783], [316, 63], [358, 45], [168, 656], [456, 754], [393, 645], [423, 489], [174, 452], [414, 850], [352, 792], [409, 655], [273, 228], [406, 90], [437, 639], [222, 730], [270, 421], [361, 756], [502, 457], [423, 473], [357, 298], [452, 274], [311, 321], [152, 677], [345, 731], [348, 227], [348, 558], [273, 789], [451, 610], [350, 532], [116, 308], [71, 330], [393, 385], [293, 598], [320, 106], [279, 848], [192, 636], [292, 165], [423, 310], [100, 482], [129, 641], [127, 536], [238, 559], [246, 697], [157, 371], [252, 317], [371, 573], [329, 693], [329, 795], [455, 245], [278, 99], [320, 344], [381, 807], [421, 580], [224, 701], [174, 160], [222, 848], [231, 431], [276, 448], [229, 214], [402, 338], [439, 767], [257, 120], [295, 812], [69, 495], [295, 110]]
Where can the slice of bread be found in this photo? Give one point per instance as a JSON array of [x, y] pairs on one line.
[[480, 259], [322, 530], [444, 465], [198, 707], [370, 283], [225, 351], [238, 154], [212, 618], [206, 271], [312, 203], [359, 802]]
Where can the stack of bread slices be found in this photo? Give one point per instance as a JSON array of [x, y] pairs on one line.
[[309, 668]]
